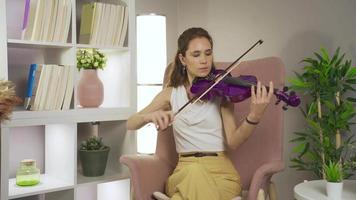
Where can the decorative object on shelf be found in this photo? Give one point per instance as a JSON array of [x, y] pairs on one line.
[[334, 176], [325, 80], [93, 156], [28, 174], [8, 99], [90, 88]]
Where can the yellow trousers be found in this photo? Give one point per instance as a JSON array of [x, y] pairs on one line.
[[204, 178]]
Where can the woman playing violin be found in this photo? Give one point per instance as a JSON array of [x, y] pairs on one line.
[[205, 130]]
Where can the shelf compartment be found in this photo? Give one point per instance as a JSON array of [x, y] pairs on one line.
[[118, 86], [53, 148], [14, 19], [20, 59], [79, 5], [47, 184], [119, 140]]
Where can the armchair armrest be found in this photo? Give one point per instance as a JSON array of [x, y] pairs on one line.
[[148, 174], [262, 176]]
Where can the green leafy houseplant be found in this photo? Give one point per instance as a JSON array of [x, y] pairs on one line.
[[333, 172], [90, 59], [93, 156], [93, 144], [326, 81]]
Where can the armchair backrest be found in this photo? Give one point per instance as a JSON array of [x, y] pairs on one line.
[[266, 143]]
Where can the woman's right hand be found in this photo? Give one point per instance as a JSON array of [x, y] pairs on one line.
[[162, 119]]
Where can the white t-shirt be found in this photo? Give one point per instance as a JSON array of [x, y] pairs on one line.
[[198, 128]]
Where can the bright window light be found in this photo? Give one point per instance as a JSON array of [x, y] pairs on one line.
[[151, 63]]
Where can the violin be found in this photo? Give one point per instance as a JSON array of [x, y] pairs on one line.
[[237, 89]]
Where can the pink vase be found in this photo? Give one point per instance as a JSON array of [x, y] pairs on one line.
[[90, 89]]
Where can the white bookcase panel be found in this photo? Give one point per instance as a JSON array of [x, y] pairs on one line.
[[67, 194], [128, 3], [106, 191], [26, 142], [19, 60], [15, 10], [119, 140]]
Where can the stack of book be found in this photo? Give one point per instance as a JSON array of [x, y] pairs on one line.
[[49, 87], [46, 20], [103, 24]]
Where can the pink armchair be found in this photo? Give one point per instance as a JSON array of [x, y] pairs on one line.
[[257, 159]]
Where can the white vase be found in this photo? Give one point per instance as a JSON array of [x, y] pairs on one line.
[[334, 190]]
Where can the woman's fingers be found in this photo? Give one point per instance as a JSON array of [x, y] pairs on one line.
[[253, 94], [264, 93], [270, 91], [164, 119], [258, 92]]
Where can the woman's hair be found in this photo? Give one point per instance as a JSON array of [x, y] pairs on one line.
[[179, 75]]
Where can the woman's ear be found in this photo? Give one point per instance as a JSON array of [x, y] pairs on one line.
[[182, 59]]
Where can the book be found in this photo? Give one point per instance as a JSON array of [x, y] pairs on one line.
[[87, 22], [69, 88], [30, 85], [29, 19], [67, 21], [124, 27], [25, 17]]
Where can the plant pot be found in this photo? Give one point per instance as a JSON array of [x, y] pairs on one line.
[[90, 90], [334, 190], [94, 162]]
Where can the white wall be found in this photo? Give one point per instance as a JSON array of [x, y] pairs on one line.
[[291, 30]]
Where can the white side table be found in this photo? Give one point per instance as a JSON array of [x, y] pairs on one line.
[[316, 190]]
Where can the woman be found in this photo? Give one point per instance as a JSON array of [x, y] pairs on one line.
[[203, 131]]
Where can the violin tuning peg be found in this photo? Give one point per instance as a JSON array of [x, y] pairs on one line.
[[285, 89]]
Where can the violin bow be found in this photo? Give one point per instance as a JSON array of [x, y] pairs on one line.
[[217, 79]]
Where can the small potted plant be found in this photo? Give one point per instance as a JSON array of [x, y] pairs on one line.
[[334, 177], [93, 155], [90, 89]]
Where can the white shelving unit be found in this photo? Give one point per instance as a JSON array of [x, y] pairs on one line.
[[52, 138]]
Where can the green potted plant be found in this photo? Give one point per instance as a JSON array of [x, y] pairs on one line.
[[334, 177], [327, 82], [93, 155], [90, 89]]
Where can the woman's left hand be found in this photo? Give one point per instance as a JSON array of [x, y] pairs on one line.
[[260, 99]]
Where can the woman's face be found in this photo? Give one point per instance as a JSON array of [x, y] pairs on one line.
[[198, 58]]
